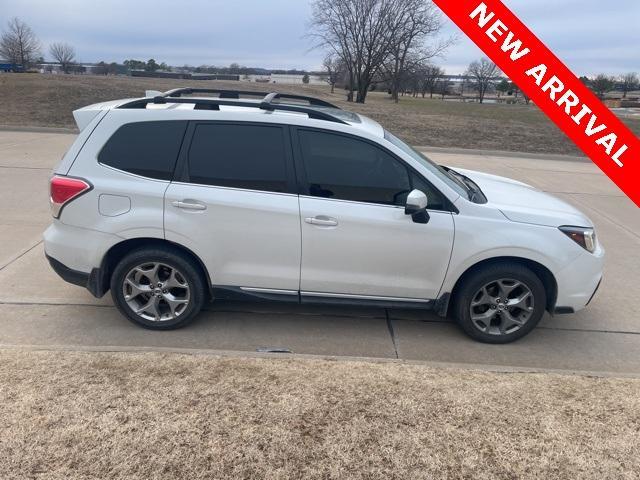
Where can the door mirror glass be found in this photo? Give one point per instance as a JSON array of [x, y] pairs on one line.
[[416, 206]]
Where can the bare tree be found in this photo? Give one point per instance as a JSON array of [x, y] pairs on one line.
[[64, 54], [419, 20], [333, 66], [482, 72], [442, 85], [602, 84], [630, 82], [361, 33], [431, 75], [19, 43]]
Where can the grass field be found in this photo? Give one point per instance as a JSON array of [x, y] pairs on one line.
[[151, 416], [48, 100]]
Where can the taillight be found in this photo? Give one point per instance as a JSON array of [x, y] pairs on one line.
[[63, 190]]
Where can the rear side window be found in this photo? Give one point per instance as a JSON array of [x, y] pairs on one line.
[[251, 157], [149, 149], [344, 168]]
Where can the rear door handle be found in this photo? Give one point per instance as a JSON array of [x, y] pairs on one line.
[[189, 205], [322, 221]]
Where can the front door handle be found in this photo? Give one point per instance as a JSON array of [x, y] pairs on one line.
[[322, 221], [189, 205]]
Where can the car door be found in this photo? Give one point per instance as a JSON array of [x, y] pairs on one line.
[[356, 239], [233, 203]]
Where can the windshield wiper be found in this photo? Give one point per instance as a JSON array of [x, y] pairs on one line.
[[465, 182], [472, 190]]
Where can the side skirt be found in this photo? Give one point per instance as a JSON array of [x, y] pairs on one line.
[[250, 294]]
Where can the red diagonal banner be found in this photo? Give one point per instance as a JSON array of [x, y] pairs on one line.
[[551, 85]]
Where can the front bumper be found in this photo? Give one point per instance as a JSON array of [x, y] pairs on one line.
[[579, 281]]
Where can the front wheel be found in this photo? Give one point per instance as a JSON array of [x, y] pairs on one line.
[[158, 288], [500, 303]]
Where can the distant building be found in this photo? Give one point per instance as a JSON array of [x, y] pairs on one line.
[[215, 76], [182, 75], [286, 79], [6, 66], [158, 74], [77, 68]]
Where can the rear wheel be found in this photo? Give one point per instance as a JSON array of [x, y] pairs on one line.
[[158, 288], [500, 303]]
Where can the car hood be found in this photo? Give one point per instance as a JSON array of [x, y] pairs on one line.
[[523, 203]]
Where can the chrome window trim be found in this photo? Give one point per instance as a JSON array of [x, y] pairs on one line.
[[265, 192], [269, 290]]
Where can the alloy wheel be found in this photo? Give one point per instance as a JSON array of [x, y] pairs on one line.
[[156, 291], [502, 307]]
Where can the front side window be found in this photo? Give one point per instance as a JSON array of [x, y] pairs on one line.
[[434, 168], [344, 168], [149, 149], [241, 156]]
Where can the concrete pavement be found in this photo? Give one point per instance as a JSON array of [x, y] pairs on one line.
[[38, 309]]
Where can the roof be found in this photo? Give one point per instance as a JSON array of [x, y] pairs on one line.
[[275, 103]]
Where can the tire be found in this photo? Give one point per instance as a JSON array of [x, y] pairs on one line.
[[480, 309], [171, 303]]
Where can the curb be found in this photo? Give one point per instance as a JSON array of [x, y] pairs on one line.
[[500, 369]]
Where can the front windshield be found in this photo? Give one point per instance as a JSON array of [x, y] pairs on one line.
[[434, 168]]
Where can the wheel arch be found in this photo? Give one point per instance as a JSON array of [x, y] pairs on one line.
[[544, 274], [119, 250]]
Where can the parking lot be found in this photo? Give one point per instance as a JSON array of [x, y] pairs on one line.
[[39, 310]]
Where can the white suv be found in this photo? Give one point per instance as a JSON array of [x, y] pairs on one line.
[[171, 201]]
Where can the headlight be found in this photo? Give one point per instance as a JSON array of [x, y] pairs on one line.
[[583, 236]]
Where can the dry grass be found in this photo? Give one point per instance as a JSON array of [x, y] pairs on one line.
[[48, 100], [150, 416]]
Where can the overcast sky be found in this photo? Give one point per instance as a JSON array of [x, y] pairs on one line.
[[592, 36]]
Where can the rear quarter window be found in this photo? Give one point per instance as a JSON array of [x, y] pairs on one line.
[[148, 149]]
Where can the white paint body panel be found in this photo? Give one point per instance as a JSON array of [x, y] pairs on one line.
[[260, 240], [523, 203], [244, 238], [374, 250]]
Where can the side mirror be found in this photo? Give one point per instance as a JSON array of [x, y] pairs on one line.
[[416, 206]]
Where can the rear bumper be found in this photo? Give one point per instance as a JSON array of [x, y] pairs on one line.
[[76, 255], [90, 281]]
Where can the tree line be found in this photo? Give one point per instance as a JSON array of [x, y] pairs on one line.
[[369, 42], [602, 84]]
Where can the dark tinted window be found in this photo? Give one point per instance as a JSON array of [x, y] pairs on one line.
[[435, 198], [345, 168], [149, 149], [241, 156]]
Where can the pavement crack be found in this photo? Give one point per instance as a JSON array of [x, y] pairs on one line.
[[24, 168], [53, 304], [392, 333], [589, 330], [2, 267]]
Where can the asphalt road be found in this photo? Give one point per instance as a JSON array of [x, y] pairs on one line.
[[40, 310]]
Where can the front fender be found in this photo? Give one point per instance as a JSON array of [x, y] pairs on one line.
[[481, 239]]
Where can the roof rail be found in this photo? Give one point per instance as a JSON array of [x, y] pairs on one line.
[[235, 94], [215, 104]]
